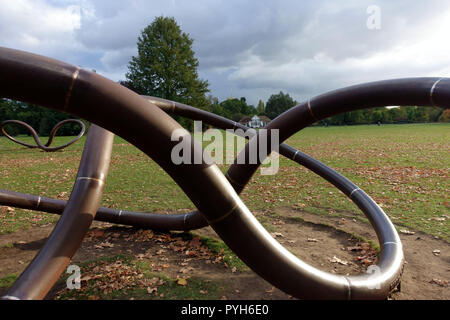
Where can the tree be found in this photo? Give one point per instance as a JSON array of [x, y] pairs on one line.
[[260, 108], [278, 103], [165, 66], [41, 119], [445, 116], [236, 109]]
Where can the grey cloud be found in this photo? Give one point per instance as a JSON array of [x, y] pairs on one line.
[[256, 48]]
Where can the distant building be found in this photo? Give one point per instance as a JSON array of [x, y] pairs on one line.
[[255, 121]]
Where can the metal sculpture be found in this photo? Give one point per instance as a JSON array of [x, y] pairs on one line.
[[54, 84], [52, 134]]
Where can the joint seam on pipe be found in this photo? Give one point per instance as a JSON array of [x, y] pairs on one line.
[[310, 110], [69, 92], [89, 178], [354, 190], [38, 202], [224, 216], [232, 181], [389, 242], [349, 289], [295, 154], [184, 219], [432, 91]]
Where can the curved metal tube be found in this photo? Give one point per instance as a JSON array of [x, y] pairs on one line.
[[52, 134], [297, 277], [186, 221], [65, 239], [205, 185]]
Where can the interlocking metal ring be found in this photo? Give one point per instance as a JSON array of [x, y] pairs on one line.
[[51, 136], [134, 118]]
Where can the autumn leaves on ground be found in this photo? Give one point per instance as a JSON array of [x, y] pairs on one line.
[[404, 168]]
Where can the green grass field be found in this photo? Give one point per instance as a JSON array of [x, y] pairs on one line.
[[404, 168]]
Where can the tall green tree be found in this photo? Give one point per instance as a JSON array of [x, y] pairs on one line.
[[235, 109], [278, 103], [260, 110], [166, 66]]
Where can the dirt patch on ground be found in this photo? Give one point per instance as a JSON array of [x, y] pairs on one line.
[[328, 243], [425, 274]]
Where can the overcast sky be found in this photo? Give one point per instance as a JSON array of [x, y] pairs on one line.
[[246, 48]]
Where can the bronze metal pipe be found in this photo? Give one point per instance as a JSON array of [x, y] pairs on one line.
[[65, 239], [117, 108], [155, 221], [52, 134], [186, 221], [281, 268]]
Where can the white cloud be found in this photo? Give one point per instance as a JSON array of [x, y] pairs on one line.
[[37, 26], [250, 49]]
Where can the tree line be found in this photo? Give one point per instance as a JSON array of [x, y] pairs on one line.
[[41, 119], [166, 67]]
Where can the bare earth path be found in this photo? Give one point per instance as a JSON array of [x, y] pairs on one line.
[[325, 242]]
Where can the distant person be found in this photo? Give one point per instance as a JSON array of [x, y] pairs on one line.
[[379, 123]]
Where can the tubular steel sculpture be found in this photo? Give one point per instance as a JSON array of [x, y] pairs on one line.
[[52, 134], [54, 84]]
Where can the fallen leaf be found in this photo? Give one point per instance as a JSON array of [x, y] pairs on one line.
[[277, 222], [182, 282], [357, 248], [86, 277], [140, 256], [186, 270], [195, 242], [161, 251], [271, 290], [367, 262], [98, 233], [337, 260], [277, 234], [404, 231], [436, 252], [312, 240], [442, 283], [151, 290]]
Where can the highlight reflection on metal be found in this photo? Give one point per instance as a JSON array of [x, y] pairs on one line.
[[52, 134], [210, 191]]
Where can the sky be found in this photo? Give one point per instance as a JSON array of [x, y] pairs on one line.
[[249, 49]]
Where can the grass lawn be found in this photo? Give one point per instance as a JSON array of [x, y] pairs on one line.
[[404, 168]]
